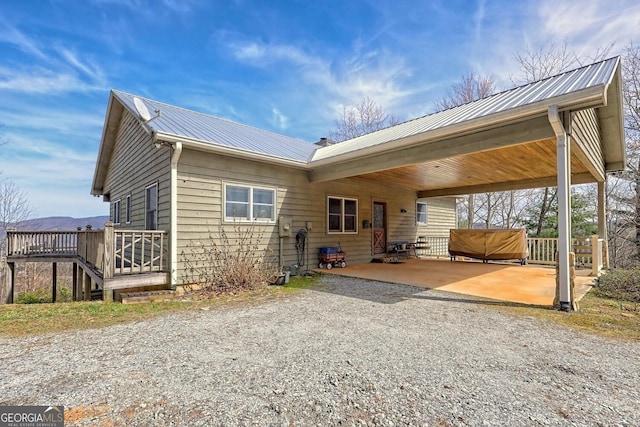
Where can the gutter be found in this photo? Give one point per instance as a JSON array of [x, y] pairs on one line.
[[228, 151], [173, 238], [587, 98], [564, 206]]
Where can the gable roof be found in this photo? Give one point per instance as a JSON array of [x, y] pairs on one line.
[[581, 88], [182, 123], [596, 85]]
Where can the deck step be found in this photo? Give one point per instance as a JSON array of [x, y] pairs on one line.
[[147, 296]]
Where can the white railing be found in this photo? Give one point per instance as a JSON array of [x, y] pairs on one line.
[[138, 251], [591, 252], [431, 246]]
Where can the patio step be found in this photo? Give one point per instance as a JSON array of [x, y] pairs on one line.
[[147, 296]]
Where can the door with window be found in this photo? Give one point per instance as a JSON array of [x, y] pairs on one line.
[[379, 227]]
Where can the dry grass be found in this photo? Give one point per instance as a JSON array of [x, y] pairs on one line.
[[599, 316], [37, 319]]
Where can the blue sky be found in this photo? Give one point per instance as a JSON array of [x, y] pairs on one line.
[[285, 66]]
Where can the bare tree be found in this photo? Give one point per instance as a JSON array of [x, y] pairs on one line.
[[623, 192], [471, 87], [548, 60], [364, 118], [14, 206]]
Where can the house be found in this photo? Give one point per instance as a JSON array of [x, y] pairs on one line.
[[188, 173]]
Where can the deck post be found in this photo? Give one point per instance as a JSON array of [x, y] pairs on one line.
[[54, 281], [86, 282], [74, 282], [107, 273], [12, 281]]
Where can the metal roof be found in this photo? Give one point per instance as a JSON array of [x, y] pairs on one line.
[[545, 92], [215, 131]]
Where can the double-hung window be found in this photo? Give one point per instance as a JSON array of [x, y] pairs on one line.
[[151, 207], [342, 215], [249, 204], [116, 212], [127, 210], [421, 213]]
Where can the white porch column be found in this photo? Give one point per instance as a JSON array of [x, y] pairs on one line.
[[564, 203], [602, 210], [602, 222]]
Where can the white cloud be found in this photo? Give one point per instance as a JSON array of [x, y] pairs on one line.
[[91, 70], [41, 80], [279, 120], [56, 178], [10, 34]]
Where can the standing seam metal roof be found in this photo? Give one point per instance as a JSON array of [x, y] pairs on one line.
[[599, 73], [219, 132]]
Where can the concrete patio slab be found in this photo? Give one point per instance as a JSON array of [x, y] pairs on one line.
[[500, 281]]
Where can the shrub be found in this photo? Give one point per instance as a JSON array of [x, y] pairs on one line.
[[621, 285], [40, 296], [224, 263]]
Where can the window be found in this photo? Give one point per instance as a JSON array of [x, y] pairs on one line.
[[127, 210], [116, 212], [421, 213], [151, 207], [249, 204], [343, 215]]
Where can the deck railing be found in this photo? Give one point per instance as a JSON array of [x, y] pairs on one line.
[[433, 246], [138, 251], [113, 252], [40, 243], [591, 252], [91, 247]]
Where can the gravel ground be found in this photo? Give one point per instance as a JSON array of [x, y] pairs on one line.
[[351, 352]]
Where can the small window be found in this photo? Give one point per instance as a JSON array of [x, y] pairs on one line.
[[127, 210], [116, 212], [421, 213], [151, 207], [342, 215], [249, 204]]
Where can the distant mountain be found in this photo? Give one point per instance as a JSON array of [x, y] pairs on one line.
[[62, 223]]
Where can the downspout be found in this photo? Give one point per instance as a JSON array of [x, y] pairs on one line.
[[564, 207], [173, 237]]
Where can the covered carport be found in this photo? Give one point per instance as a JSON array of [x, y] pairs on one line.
[[560, 131]]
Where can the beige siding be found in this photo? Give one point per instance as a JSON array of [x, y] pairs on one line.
[[136, 164], [201, 177], [440, 217], [586, 133]]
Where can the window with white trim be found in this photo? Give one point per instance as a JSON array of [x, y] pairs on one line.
[[342, 215], [151, 207], [116, 212], [249, 203], [421, 213], [127, 210]]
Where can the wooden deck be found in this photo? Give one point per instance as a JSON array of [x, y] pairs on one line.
[[106, 259]]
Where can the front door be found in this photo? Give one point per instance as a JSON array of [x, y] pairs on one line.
[[379, 227]]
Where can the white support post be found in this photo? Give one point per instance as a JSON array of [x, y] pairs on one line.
[[602, 210], [564, 204]]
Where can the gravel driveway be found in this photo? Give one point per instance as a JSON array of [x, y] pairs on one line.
[[351, 352]]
